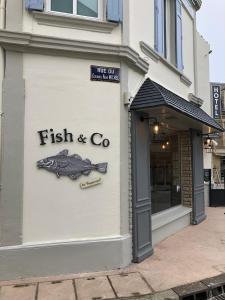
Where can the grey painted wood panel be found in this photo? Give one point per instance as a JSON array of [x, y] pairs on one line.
[[198, 204], [142, 229]]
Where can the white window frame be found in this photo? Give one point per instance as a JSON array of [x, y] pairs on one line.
[[74, 14]]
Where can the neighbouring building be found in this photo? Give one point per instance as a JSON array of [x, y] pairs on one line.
[[104, 108], [218, 111]]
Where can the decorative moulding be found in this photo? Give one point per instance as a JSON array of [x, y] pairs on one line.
[[150, 52], [51, 19], [32, 43], [194, 99]]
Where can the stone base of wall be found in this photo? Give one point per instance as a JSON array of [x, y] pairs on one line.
[[186, 168]]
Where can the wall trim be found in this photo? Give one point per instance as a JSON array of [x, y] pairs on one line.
[[65, 258], [12, 151], [196, 100], [51, 19], [150, 52], [32, 43]]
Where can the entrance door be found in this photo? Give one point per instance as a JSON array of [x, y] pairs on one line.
[[198, 214], [142, 229]]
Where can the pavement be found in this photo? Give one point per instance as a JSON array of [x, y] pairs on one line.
[[193, 254]]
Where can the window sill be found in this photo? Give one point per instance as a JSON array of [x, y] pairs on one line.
[[51, 19], [150, 52], [170, 215]]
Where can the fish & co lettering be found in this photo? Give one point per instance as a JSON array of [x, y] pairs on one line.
[[50, 136]]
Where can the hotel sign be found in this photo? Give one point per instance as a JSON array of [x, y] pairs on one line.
[[216, 99]]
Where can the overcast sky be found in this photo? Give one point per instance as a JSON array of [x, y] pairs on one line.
[[211, 25]]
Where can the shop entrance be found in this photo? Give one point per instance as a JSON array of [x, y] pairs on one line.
[[165, 171], [156, 174]]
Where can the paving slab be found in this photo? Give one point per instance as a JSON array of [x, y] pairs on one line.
[[130, 284], [94, 288], [18, 292], [56, 290]]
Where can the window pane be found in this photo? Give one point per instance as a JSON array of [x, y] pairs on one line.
[[165, 170], [87, 8], [65, 6]]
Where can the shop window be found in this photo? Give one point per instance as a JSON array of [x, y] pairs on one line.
[[165, 171], [168, 31], [84, 8]]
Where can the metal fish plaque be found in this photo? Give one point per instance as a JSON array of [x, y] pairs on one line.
[[72, 166]]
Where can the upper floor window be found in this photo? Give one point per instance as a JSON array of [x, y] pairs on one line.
[[168, 31], [85, 8]]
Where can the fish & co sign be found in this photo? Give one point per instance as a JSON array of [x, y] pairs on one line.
[[99, 73], [216, 101], [50, 136], [72, 166]]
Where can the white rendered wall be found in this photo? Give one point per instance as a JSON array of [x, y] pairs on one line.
[[143, 30], [59, 94], [203, 49], [203, 88]]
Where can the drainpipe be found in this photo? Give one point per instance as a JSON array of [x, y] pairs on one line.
[[2, 68], [195, 57]]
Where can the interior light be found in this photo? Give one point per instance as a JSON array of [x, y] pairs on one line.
[[163, 146], [208, 141], [156, 127], [167, 143]]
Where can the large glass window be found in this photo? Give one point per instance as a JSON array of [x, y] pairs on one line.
[[168, 31], [165, 171], [87, 8]]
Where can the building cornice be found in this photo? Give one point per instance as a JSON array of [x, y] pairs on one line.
[[27, 42], [51, 19]]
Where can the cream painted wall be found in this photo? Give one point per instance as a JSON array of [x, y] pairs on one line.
[[188, 45], [30, 25], [135, 81], [144, 31], [59, 94], [203, 49], [203, 87], [141, 23]]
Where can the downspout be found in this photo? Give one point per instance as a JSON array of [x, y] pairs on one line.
[[2, 71], [195, 58]]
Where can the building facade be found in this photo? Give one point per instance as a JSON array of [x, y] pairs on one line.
[[104, 107]]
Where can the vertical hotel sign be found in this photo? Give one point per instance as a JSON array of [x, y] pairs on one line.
[[216, 98]]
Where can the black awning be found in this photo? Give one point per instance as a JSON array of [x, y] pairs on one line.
[[152, 94]]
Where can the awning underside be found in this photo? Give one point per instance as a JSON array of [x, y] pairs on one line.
[[152, 95]]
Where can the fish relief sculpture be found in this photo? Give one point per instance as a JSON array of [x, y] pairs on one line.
[[72, 166]]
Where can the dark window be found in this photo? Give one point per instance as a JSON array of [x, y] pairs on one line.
[[165, 171]]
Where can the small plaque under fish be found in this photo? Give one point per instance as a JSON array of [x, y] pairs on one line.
[[91, 183], [72, 166]]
